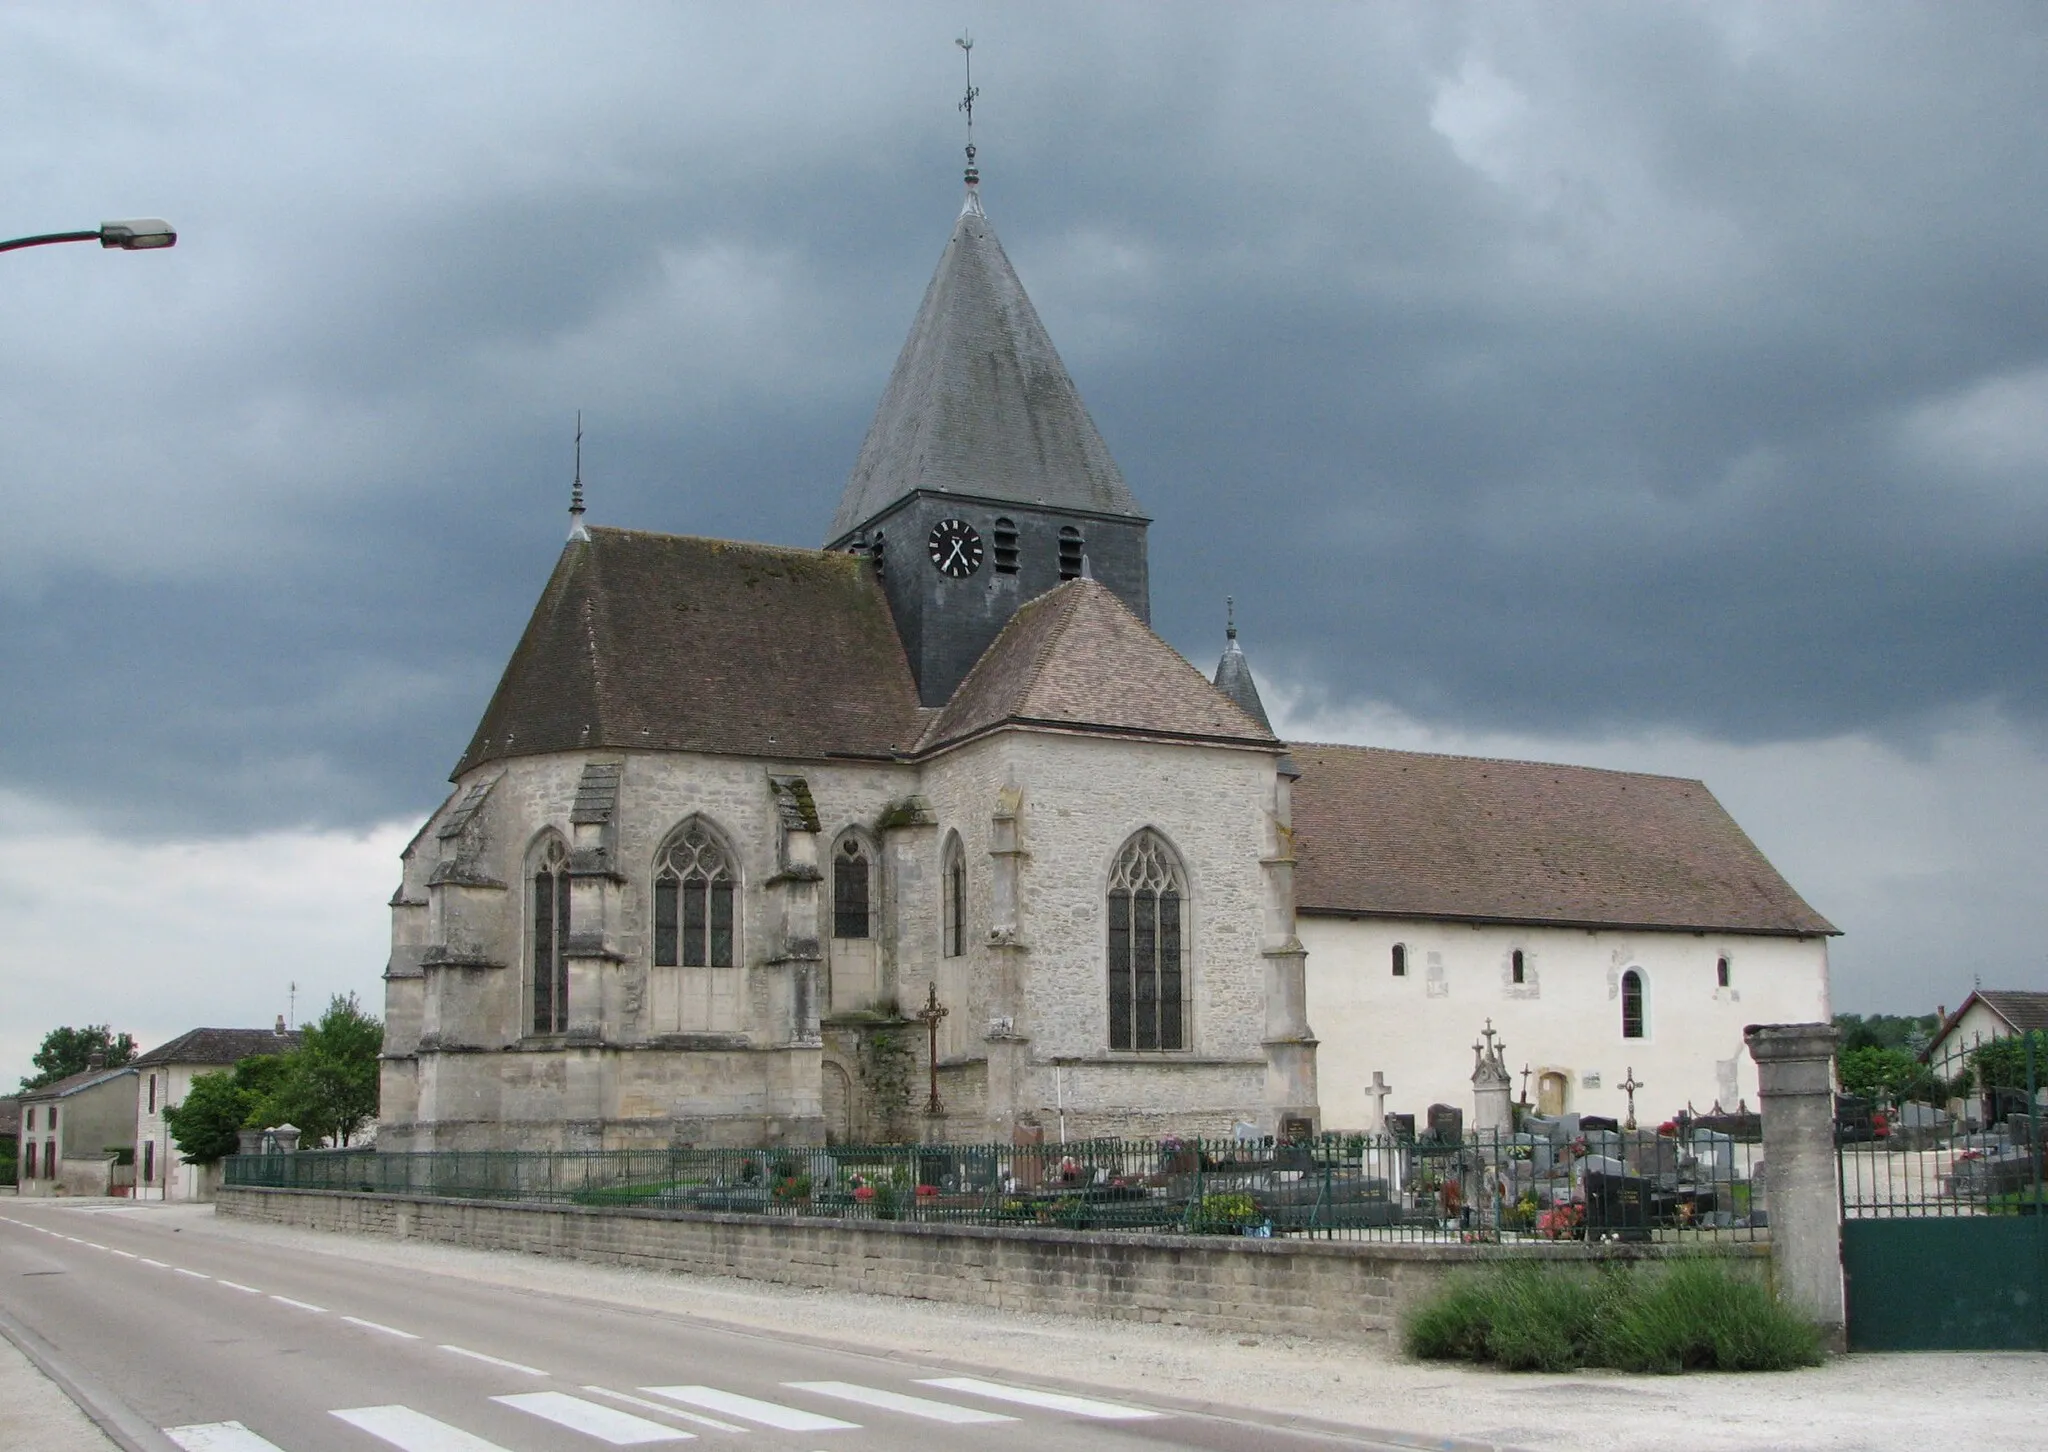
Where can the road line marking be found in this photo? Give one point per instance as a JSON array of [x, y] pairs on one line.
[[157, 1263], [607, 1424], [890, 1401], [412, 1431], [643, 1403], [301, 1305], [127, 1255], [495, 1360], [238, 1286], [380, 1326], [769, 1414], [194, 1274], [219, 1437], [95, 1245], [1032, 1397]]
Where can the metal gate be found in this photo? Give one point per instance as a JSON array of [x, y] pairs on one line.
[[1944, 1219]]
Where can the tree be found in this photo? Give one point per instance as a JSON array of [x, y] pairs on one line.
[[1886, 1030], [329, 1086], [2002, 1064], [207, 1125], [67, 1051], [1887, 1075]]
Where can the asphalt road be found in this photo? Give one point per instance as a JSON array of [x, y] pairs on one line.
[[247, 1348]]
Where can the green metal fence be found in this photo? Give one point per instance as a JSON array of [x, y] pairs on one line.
[[1944, 1211], [1560, 1183]]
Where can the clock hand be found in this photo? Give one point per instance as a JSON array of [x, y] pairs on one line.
[[957, 553]]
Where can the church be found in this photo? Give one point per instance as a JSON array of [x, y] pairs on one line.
[[925, 834]]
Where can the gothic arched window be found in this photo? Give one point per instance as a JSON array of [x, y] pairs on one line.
[[1518, 966], [1632, 1005], [693, 901], [1147, 895], [550, 973], [853, 877], [1400, 960], [954, 908]]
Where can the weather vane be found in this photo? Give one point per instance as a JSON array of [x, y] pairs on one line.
[[966, 44]]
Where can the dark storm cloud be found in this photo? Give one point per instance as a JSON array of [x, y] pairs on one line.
[[1532, 369]]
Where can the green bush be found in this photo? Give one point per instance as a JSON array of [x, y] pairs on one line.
[[1679, 1316]]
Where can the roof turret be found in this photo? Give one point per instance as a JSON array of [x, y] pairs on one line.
[[1234, 672]]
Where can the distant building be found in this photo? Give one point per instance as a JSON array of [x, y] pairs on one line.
[[1987, 1014], [166, 1074], [75, 1132]]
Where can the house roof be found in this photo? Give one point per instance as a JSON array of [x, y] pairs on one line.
[[220, 1046], [668, 642], [2023, 1011], [979, 402], [1077, 657], [84, 1079], [1404, 834]]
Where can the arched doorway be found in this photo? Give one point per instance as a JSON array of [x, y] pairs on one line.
[[1550, 1087], [837, 1094]]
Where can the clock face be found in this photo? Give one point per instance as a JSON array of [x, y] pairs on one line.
[[955, 548]]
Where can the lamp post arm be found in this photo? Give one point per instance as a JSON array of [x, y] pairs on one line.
[[47, 238]]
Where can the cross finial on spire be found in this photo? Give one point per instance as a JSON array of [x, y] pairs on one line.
[[576, 529], [966, 44]]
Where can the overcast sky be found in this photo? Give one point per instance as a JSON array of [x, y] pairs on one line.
[[1648, 385]]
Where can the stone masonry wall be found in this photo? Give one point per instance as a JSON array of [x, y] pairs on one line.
[[1353, 1291]]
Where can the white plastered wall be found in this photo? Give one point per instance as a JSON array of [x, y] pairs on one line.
[[1418, 1030]]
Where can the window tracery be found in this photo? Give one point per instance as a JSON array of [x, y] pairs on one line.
[[1147, 897], [549, 977], [693, 901]]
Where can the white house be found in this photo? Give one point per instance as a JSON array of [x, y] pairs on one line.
[[165, 1075]]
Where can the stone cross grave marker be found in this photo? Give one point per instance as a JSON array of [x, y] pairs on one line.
[[1377, 1091]]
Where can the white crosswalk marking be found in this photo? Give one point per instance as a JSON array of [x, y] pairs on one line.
[[769, 1414], [869, 1396], [642, 1402], [607, 1424], [1032, 1397], [219, 1437], [412, 1431]]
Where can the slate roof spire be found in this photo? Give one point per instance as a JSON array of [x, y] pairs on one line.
[[979, 403], [1234, 672]]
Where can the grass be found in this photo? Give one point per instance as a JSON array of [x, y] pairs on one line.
[[1681, 1315]]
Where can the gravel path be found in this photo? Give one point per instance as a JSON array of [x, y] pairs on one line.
[[1990, 1402]]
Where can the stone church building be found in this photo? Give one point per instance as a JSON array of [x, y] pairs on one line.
[[737, 814]]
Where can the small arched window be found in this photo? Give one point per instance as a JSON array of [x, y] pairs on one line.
[[549, 976], [852, 890], [1632, 1005], [693, 901], [1720, 972], [878, 552], [954, 909], [1005, 542], [1400, 960], [1071, 546], [1518, 966], [1147, 998]]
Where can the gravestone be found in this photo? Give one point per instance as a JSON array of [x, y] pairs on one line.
[[1589, 1122], [1446, 1124], [1716, 1155], [1402, 1128], [1603, 1142], [1654, 1157]]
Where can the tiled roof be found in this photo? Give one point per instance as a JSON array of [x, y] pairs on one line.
[[221, 1046], [2024, 1010], [84, 1079], [667, 642], [979, 402], [1403, 834], [1076, 656]]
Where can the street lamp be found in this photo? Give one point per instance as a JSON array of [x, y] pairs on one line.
[[141, 234]]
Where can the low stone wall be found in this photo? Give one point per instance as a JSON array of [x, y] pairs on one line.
[[1354, 1290]]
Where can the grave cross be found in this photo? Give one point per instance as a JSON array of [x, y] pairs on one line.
[[1525, 1085], [1630, 1085], [1377, 1091], [929, 1016]]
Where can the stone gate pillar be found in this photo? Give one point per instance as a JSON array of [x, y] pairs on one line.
[[1795, 1074]]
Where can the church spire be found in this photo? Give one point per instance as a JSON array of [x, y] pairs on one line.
[[1234, 672]]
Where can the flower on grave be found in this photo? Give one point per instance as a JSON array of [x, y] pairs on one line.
[[1171, 1145], [1669, 1129], [927, 1192], [863, 1193], [1069, 1170], [1561, 1222]]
